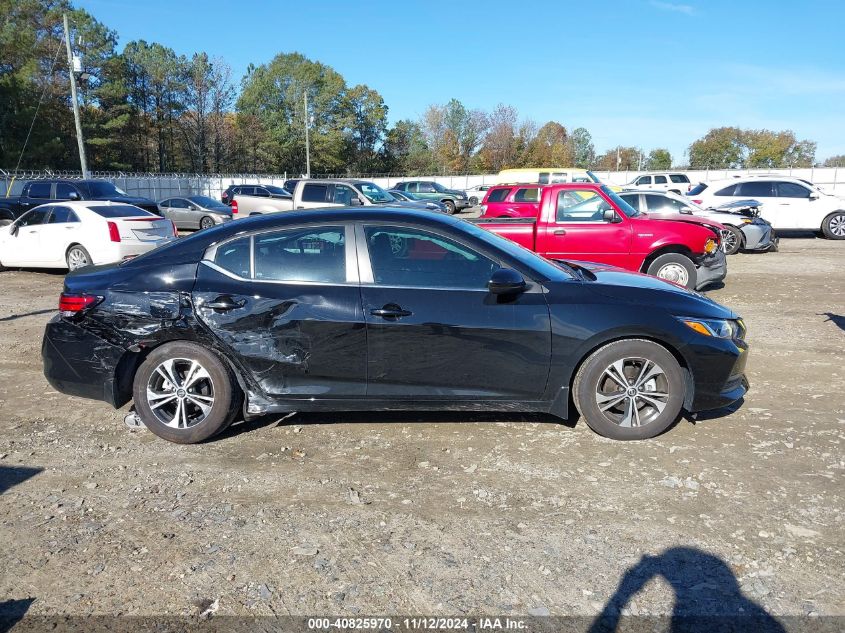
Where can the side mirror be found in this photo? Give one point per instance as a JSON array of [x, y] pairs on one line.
[[506, 281], [73, 196], [355, 201], [686, 210], [813, 195], [609, 215], [13, 230]]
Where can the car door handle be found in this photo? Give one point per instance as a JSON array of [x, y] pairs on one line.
[[390, 311], [560, 232], [225, 302]]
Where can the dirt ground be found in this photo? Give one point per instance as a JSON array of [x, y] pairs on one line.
[[441, 513]]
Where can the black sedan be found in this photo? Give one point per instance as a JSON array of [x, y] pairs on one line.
[[385, 309]]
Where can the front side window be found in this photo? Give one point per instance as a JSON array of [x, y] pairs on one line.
[[528, 194], [756, 188], [792, 190], [657, 204], [100, 189], [314, 193], [261, 192], [40, 190], [34, 217], [178, 203], [631, 198], [580, 205], [343, 195], [410, 257], [644, 180], [65, 191], [426, 187], [660, 180], [62, 215], [308, 254]]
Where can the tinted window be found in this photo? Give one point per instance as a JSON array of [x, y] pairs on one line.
[[165, 203], [678, 178], [306, 254], [631, 198], [39, 190], [426, 187], [543, 178], [416, 258], [663, 204], [120, 211], [560, 176], [314, 193], [760, 188], [62, 215], [497, 195], [234, 257], [64, 191], [530, 194], [178, 203], [727, 191], [644, 180], [792, 190], [277, 191], [697, 189], [576, 205], [660, 180], [205, 201], [261, 192], [343, 195], [99, 189], [34, 217]]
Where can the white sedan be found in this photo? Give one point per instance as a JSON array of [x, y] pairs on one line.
[[76, 234]]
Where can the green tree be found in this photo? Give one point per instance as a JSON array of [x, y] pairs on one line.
[[720, 148], [658, 159], [406, 151], [367, 127], [835, 161], [583, 152]]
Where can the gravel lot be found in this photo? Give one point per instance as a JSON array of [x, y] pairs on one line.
[[441, 513]]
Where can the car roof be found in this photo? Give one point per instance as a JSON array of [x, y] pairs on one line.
[[753, 177]]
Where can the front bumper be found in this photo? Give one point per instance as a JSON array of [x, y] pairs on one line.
[[462, 204], [759, 237], [718, 371], [711, 269]]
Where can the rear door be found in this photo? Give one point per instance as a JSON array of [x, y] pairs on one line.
[[34, 194], [434, 331], [62, 228], [286, 303]]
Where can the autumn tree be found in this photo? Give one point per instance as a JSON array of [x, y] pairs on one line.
[[620, 159], [550, 147]]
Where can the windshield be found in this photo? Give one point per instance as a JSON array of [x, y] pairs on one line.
[[623, 206], [374, 193], [208, 203], [104, 189]]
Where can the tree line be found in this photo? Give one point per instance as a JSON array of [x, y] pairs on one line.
[[147, 108]]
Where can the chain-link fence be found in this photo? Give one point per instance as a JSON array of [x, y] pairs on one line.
[[160, 186]]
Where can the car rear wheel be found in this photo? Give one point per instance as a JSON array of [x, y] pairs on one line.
[[77, 257], [833, 226], [450, 207], [206, 222], [630, 390], [674, 267], [732, 239], [184, 393]]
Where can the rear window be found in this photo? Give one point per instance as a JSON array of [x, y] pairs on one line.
[[120, 211], [497, 195], [678, 178], [697, 189]]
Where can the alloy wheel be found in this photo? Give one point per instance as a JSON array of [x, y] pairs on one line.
[[180, 393], [206, 223], [837, 225], [674, 272], [632, 392], [728, 241], [77, 259]]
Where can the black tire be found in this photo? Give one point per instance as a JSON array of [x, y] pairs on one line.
[[592, 384], [833, 226], [206, 222], [223, 391], [732, 240], [77, 257], [451, 209], [675, 191], [666, 266], [473, 201]]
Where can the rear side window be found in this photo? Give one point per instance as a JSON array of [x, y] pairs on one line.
[[761, 188], [660, 180], [314, 193], [305, 255], [792, 190], [62, 215], [678, 178], [39, 190], [234, 256], [727, 191], [497, 195], [120, 211], [529, 194], [64, 191]]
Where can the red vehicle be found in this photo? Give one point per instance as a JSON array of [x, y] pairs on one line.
[[511, 201], [589, 222]]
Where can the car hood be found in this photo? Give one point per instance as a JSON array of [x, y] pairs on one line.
[[637, 288], [683, 217]]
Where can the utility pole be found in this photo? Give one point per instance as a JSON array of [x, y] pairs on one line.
[[307, 146], [77, 120]]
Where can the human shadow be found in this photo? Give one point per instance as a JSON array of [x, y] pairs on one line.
[[12, 611], [707, 595], [837, 319], [14, 475]]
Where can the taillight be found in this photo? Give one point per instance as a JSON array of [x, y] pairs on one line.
[[70, 304], [234, 207], [114, 234], [698, 201], [173, 226]]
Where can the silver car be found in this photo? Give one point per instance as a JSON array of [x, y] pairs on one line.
[[195, 212]]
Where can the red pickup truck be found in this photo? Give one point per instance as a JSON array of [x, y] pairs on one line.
[[589, 222]]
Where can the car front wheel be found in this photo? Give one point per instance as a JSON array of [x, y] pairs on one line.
[[731, 240], [833, 226], [206, 222], [629, 390], [450, 207], [184, 393], [674, 267]]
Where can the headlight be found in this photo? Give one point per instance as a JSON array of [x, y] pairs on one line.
[[720, 328], [711, 246]]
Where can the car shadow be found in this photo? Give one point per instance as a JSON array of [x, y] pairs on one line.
[[837, 319], [707, 595]]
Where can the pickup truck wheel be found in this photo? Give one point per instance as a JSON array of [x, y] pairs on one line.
[[629, 390], [450, 207], [732, 240], [833, 226], [674, 267], [77, 257]]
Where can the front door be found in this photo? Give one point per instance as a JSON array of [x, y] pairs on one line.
[[794, 207], [24, 248], [433, 329], [287, 304]]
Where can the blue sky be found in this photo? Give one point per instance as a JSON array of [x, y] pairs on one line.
[[649, 73]]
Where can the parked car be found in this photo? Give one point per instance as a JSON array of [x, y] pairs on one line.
[[195, 212], [261, 191], [76, 234], [787, 203], [38, 192], [744, 229], [454, 199], [546, 175], [676, 182], [321, 193], [590, 222], [511, 201], [385, 309], [476, 194], [431, 205]]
